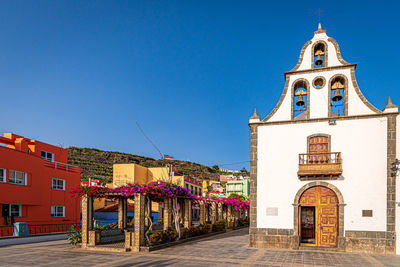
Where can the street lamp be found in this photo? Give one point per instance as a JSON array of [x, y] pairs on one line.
[[395, 167]]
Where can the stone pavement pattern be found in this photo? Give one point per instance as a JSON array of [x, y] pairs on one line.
[[230, 249]]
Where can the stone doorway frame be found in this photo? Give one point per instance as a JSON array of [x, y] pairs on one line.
[[341, 241]]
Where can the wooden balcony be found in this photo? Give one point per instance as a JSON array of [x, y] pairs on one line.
[[326, 165]]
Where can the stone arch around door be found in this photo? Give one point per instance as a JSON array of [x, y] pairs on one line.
[[341, 241]]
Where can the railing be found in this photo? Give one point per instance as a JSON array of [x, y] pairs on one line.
[[320, 158], [37, 229], [61, 166], [6, 230], [51, 228], [320, 165]]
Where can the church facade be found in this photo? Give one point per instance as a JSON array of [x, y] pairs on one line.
[[323, 171]]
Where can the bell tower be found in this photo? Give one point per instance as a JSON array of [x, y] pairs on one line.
[[321, 85]]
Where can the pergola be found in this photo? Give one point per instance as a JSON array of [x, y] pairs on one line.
[[211, 211]]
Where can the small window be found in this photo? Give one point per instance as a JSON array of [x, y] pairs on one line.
[[199, 191], [17, 177], [195, 190], [3, 178], [47, 155], [238, 187], [13, 210], [319, 82], [187, 186], [57, 211], [191, 189], [57, 184]]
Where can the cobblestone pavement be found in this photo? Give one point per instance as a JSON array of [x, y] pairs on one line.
[[230, 249]]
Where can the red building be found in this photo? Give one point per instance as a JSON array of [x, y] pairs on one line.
[[35, 181], [226, 178]]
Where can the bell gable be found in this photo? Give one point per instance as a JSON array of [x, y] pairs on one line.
[[321, 85]]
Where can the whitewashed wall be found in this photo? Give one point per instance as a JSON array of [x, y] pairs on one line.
[[363, 184]]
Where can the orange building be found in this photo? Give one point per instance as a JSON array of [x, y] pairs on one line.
[[35, 181]]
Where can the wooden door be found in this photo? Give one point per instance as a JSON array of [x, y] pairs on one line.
[[328, 217], [325, 202], [318, 145]]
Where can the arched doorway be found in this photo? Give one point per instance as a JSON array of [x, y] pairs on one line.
[[318, 217]]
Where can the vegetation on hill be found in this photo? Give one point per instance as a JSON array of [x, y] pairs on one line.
[[98, 164]]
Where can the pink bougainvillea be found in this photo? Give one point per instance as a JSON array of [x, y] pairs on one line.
[[156, 191]]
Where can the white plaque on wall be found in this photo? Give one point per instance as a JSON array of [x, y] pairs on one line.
[[272, 211]]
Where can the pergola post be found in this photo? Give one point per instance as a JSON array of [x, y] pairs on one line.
[[213, 212], [146, 220], [202, 212], [236, 212], [167, 214], [229, 216], [181, 211], [207, 212], [188, 213], [122, 211], [87, 219], [139, 222], [220, 212]]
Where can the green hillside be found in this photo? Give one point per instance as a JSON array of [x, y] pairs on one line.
[[98, 164]]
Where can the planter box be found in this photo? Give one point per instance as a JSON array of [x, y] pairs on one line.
[[174, 243], [97, 237]]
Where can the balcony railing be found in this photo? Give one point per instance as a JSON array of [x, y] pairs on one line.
[[320, 164], [61, 166]]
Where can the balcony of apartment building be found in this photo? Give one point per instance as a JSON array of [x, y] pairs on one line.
[[61, 166]]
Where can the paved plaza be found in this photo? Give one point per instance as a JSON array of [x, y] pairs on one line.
[[230, 249]]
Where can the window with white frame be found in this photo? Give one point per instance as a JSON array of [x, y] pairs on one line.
[[47, 155], [15, 210], [3, 178], [238, 187], [57, 184], [57, 211], [12, 210], [17, 177]]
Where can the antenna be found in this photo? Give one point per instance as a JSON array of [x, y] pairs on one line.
[[140, 128]]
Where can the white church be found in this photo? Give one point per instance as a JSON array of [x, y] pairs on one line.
[[323, 162]]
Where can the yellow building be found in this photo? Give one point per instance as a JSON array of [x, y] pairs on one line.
[[161, 174], [214, 185], [165, 174], [130, 173]]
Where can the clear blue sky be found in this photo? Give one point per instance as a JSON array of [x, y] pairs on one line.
[[82, 73]]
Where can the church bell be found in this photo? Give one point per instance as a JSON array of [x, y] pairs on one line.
[[337, 96], [319, 57], [319, 60], [300, 101]]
